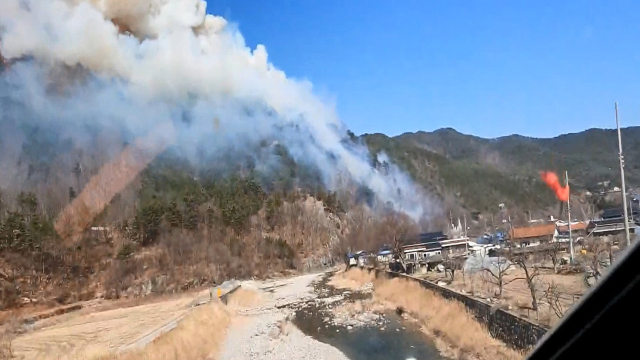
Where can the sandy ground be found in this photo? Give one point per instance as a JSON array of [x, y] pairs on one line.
[[84, 334], [261, 329]]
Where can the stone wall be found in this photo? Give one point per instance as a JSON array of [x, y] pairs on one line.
[[503, 325]]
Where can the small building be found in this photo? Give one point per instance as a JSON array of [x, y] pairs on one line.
[[385, 254], [578, 229], [452, 248], [612, 222], [433, 247], [611, 226], [362, 258], [418, 251], [532, 235]]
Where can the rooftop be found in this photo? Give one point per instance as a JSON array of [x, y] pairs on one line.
[[425, 238], [433, 245], [581, 225], [532, 232], [619, 212], [612, 222], [453, 242]]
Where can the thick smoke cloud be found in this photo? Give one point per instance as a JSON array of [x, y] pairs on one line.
[[131, 66]]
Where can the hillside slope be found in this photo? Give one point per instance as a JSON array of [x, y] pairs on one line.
[[183, 226], [482, 173]]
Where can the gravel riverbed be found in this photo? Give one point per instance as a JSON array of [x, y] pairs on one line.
[[264, 331]]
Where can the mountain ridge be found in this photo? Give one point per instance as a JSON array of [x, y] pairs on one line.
[[505, 169]]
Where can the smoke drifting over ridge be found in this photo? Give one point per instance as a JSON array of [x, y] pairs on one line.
[[131, 66]]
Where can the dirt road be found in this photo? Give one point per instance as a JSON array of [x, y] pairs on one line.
[[85, 334]]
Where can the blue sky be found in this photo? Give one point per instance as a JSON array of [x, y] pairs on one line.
[[488, 68]]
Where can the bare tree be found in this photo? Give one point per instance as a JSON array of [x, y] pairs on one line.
[[610, 251], [593, 261], [530, 275], [398, 254], [451, 265], [552, 295], [463, 270], [553, 253], [496, 270]]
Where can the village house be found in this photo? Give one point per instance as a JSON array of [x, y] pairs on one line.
[[385, 254], [523, 237], [433, 247], [423, 246], [457, 247], [532, 235], [612, 222], [578, 229]]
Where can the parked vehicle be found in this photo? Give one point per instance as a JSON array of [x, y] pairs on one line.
[[362, 258], [351, 260]]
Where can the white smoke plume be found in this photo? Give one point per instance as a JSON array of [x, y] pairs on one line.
[[133, 65]]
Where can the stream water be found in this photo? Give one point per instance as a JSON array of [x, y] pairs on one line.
[[396, 339]]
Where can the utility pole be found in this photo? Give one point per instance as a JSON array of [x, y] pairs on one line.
[[566, 175], [624, 190], [466, 244]]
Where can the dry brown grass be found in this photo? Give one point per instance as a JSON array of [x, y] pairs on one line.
[[7, 335], [448, 321], [6, 348], [199, 336], [353, 279], [516, 293], [245, 298]]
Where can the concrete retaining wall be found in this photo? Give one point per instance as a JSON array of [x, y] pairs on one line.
[[503, 325]]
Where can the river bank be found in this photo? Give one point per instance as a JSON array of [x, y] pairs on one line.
[[306, 318], [455, 331]]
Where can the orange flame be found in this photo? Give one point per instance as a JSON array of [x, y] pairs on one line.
[[551, 179]]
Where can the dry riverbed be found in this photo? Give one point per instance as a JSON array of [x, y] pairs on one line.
[[263, 328], [306, 318]]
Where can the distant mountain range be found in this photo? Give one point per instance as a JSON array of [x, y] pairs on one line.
[[480, 173]]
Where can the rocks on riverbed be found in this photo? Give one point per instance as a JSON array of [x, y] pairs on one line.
[[356, 314], [358, 320]]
